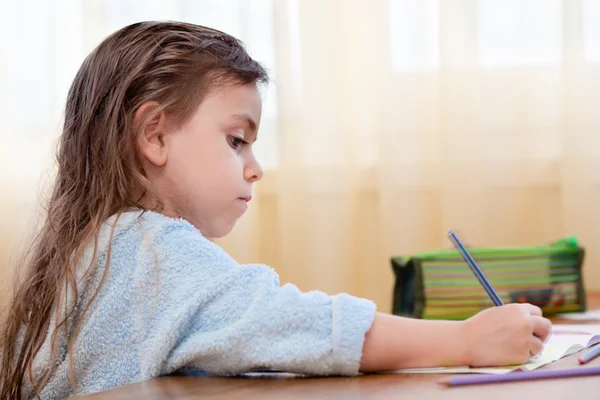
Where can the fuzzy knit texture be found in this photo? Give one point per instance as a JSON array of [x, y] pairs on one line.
[[172, 300]]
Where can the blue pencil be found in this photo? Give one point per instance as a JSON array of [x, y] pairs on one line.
[[519, 376], [475, 269], [590, 355]]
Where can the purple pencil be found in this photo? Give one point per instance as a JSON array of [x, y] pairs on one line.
[[590, 355], [519, 376]]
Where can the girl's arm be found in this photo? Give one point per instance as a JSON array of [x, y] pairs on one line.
[[505, 335]]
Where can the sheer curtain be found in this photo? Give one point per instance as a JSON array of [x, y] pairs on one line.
[[399, 120], [388, 122]]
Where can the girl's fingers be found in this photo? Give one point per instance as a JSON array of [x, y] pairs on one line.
[[541, 327], [536, 346], [533, 310]]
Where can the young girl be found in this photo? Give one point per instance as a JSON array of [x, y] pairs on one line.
[[123, 284]]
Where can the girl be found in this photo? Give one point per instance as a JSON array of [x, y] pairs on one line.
[[123, 283]]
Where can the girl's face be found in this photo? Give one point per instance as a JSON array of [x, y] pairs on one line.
[[210, 167]]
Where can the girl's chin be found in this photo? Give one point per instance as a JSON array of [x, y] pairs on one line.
[[219, 231]]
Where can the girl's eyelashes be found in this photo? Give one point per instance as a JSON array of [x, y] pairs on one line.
[[235, 142]]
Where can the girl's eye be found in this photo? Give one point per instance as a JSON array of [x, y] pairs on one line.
[[236, 142]]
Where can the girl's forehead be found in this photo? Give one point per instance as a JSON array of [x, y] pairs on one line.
[[241, 101]]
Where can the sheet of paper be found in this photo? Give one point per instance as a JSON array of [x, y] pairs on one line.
[[590, 315], [587, 328], [564, 340]]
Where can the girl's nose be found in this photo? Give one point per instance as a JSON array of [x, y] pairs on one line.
[[253, 171]]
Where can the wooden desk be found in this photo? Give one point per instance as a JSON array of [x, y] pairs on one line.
[[394, 386]]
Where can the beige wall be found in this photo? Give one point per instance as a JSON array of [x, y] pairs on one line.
[[25, 175], [15, 215]]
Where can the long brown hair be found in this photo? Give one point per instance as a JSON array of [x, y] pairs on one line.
[[99, 171]]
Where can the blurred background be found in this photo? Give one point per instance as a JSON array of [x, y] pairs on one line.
[[386, 124]]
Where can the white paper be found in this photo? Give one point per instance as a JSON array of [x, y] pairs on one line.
[[590, 315]]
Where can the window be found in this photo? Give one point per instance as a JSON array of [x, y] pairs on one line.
[[414, 35], [47, 43], [519, 32], [38, 61], [591, 30]]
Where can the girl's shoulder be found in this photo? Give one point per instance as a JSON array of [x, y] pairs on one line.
[[137, 230], [150, 223], [154, 233]]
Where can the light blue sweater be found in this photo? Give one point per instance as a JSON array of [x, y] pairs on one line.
[[173, 300]]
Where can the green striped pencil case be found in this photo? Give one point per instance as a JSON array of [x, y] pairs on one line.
[[439, 285]]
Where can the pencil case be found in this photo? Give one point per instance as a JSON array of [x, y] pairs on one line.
[[439, 285]]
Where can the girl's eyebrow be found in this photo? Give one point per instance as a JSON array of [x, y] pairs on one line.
[[247, 119]]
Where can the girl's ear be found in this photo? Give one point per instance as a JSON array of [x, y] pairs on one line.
[[150, 125]]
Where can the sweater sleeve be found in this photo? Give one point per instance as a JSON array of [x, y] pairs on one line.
[[205, 311]]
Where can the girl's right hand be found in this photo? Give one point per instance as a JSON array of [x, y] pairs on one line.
[[505, 335]]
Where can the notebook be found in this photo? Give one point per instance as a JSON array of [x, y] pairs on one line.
[[564, 340], [589, 315]]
